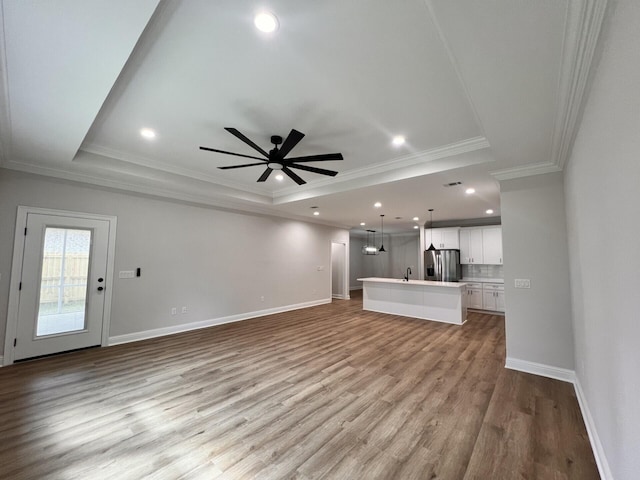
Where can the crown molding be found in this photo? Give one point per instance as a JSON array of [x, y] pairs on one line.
[[582, 29], [526, 171], [164, 194], [453, 149], [163, 167]]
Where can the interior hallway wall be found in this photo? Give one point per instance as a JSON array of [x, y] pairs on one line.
[[534, 239], [602, 187]]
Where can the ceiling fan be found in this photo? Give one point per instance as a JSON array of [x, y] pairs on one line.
[[275, 159]]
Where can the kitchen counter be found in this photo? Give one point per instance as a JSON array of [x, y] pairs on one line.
[[437, 301], [412, 282]]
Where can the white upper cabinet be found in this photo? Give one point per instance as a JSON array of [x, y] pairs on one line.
[[492, 245], [471, 246], [442, 238], [481, 245]]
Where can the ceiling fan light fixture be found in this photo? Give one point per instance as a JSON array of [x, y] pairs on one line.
[[279, 177], [266, 22]]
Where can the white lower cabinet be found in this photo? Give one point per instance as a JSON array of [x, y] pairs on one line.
[[474, 295], [493, 297]]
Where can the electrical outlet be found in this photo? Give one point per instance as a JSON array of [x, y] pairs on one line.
[[320, 268], [174, 310], [522, 283], [184, 309], [262, 298]]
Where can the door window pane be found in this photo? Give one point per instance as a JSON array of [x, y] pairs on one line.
[[63, 283]]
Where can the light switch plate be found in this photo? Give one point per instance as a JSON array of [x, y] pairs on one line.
[[126, 274], [522, 283]]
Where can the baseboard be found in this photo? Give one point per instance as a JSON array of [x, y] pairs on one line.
[[596, 445], [186, 327], [355, 288], [1, 361], [337, 297], [541, 369]]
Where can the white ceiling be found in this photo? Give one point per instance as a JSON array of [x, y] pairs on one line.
[[476, 87]]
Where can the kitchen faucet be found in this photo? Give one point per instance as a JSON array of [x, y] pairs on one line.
[[406, 277]]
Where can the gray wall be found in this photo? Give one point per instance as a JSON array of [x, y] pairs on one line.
[[602, 187], [538, 320], [217, 263], [402, 251]]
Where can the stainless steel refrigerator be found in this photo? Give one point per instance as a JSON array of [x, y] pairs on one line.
[[442, 265]]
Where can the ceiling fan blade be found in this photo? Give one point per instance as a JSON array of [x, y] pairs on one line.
[[321, 171], [317, 158], [234, 131], [240, 166], [265, 174], [290, 142], [293, 176], [230, 153]]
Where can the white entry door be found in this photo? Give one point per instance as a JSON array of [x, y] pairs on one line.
[[61, 302]]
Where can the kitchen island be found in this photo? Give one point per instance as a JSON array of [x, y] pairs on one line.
[[438, 301]]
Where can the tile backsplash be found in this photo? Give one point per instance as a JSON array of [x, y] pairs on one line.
[[482, 271]]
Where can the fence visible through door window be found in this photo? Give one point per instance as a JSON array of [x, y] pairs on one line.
[[63, 281]]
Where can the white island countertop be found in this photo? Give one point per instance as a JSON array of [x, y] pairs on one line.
[[428, 283], [438, 301]]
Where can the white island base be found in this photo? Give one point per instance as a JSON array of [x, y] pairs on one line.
[[438, 301]]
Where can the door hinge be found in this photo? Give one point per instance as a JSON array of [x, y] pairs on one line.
[[25, 230], [15, 341], [20, 286]]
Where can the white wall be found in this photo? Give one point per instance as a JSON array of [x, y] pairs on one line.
[[217, 263], [602, 187], [538, 320]]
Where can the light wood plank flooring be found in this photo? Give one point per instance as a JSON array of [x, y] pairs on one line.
[[327, 392]]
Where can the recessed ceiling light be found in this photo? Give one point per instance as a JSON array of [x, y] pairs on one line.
[[469, 191], [147, 133], [398, 140], [316, 213], [377, 204], [266, 22], [279, 177], [415, 219], [415, 227], [489, 212], [362, 224]]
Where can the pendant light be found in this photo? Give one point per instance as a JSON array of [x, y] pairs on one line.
[[382, 234], [369, 248], [431, 247]]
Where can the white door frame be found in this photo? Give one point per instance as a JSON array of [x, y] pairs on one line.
[[345, 272], [16, 273]]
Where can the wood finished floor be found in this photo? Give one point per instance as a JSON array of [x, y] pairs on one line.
[[327, 392]]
